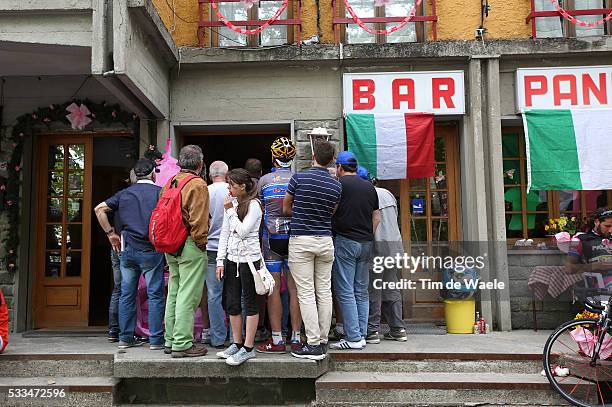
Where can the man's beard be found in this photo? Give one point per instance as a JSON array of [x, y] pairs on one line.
[[600, 232]]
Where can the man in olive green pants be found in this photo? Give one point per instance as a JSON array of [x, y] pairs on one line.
[[188, 266]]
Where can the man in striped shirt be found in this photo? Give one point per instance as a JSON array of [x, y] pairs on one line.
[[311, 199]]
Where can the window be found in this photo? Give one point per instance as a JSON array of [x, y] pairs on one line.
[[553, 25], [276, 34], [526, 213], [365, 9]]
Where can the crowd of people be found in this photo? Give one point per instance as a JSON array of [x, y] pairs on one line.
[[315, 231]]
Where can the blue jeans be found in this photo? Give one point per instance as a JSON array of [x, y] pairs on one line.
[[350, 280], [151, 264], [216, 314], [113, 307]]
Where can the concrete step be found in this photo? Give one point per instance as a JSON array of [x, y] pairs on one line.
[[64, 365], [408, 364], [425, 388], [57, 391]]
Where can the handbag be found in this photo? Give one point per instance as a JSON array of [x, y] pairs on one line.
[[264, 282]]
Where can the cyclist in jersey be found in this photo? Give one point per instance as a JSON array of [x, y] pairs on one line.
[[593, 251], [275, 242]]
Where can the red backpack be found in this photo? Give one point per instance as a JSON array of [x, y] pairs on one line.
[[167, 230]]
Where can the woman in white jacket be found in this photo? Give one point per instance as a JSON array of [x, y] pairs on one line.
[[238, 244]]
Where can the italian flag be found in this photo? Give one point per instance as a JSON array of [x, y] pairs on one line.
[[393, 146], [568, 149]]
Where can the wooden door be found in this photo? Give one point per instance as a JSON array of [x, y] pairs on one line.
[[61, 285], [428, 211]]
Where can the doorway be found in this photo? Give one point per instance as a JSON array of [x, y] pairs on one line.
[[234, 148], [72, 275], [428, 210]]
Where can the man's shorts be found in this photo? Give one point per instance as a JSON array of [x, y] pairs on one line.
[[276, 254]]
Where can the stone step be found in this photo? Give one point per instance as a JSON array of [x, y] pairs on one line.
[[435, 362], [64, 365], [376, 388], [57, 391]]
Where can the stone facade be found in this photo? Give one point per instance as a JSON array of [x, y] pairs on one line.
[[303, 127], [551, 312]]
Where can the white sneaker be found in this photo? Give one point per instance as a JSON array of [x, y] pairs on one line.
[[344, 344], [240, 357], [229, 351], [363, 342]]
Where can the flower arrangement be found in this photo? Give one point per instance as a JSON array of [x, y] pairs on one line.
[[562, 224], [586, 314]]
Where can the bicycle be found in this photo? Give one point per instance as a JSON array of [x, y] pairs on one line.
[[575, 357]]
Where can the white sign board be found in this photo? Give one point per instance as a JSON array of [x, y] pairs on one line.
[[440, 92], [586, 87]]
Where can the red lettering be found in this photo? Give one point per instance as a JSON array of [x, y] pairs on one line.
[[572, 95], [398, 97], [359, 93], [438, 93], [588, 87], [530, 91]]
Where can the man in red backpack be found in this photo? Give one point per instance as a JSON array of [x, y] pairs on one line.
[[188, 265], [3, 323]]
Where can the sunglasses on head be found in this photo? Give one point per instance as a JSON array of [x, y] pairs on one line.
[[605, 215]]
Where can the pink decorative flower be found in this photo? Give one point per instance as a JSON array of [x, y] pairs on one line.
[[11, 266], [9, 202], [2, 187], [114, 114], [46, 120], [78, 116], [34, 116], [17, 168]]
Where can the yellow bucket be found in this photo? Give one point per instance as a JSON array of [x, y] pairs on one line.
[[459, 315]]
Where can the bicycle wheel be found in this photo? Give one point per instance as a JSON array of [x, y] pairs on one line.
[[572, 346]]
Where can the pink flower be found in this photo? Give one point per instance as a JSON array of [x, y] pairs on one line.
[[46, 120], [34, 116], [11, 266], [2, 187], [78, 116], [17, 168], [114, 114], [9, 202]]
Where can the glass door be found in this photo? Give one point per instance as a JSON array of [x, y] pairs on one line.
[[64, 222]]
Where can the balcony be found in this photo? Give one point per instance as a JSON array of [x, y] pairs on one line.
[[265, 23], [569, 18]]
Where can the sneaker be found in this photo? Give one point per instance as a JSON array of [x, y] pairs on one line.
[[156, 347], [206, 336], [373, 338], [240, 357], [270, 347], [312, 352], [195, 351], [399, 335], [363, 342], [125, 345], [296, 345], [113, 337], [336, 335], [168, 350], [261, 335], [232, 349], [344, 344]]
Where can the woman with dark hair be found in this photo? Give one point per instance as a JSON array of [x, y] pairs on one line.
[[239, 245]]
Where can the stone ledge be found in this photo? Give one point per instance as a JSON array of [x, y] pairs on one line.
[[282, 367]]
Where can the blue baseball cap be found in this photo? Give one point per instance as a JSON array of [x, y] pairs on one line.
[[346, 158], [362, 172]]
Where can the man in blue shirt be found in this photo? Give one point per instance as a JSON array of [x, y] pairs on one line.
[[311, 199], [133, 206], [354, 224]]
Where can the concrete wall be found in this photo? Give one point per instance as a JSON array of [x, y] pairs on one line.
[[550, 312], [60, 27], [137, 61], [456, 20], [256, 93]]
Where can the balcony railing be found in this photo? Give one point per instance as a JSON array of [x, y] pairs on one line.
[[567, 29], [251, 23], [340, 21]]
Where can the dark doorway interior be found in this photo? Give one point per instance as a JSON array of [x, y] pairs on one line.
[[112, 163], [235, 149]]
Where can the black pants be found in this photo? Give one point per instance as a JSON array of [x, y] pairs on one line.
[[235, 287]]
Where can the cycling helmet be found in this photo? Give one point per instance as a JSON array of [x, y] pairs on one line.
[[283, 151]]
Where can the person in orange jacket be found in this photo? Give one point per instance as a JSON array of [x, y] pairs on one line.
[[3, 323]]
